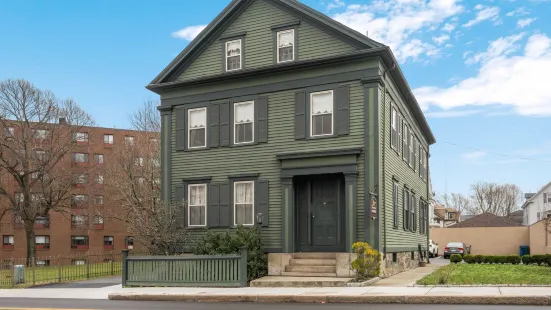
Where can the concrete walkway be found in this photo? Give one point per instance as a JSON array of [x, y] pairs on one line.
[[408, 278]]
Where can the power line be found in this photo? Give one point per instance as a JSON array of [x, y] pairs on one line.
[[498, 154]]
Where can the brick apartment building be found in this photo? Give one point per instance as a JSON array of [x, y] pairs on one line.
[[82, 230]]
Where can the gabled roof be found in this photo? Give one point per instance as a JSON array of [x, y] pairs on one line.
[[485, 220], [527, 202]]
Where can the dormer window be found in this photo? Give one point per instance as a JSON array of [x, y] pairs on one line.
[[233, 55], [286, 45]]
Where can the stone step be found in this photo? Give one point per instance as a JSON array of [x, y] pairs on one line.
[[307, 274], [313, 255], [312, 262], [310, 269], [279, 281]]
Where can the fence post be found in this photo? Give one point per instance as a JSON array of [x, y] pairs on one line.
[[88, 268], [13, 280], [59, 269], [243, 280], [124, 266], [112, 263]]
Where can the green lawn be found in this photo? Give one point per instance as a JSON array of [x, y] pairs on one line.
[[52, 274], [467, 274]]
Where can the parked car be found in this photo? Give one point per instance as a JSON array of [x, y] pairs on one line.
[[456, 248], [433, 249]]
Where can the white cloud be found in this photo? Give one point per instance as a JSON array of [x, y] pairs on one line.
[[448, 27], [484, 13], [441, 39], [521, 23], [451, 113], [506, 79], [188, 33], [518, 12], [335, 4], [400, 23], [474, 155], [501, 46]]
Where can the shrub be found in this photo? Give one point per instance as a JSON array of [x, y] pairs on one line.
[[487, 259], [213, 243], [548, 259], [513, 259], [503, 259], [456, 258], [367, 263], [527, 259], [469, 259], [479, 259], [538, 259]]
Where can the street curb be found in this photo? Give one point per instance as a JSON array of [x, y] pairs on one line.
[[359, 299]]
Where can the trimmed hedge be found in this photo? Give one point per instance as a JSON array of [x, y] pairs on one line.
[[456, 258], [508, 259], [527, 259], [469, 259]]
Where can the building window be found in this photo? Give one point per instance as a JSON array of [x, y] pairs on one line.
[[40, 134], [79, 200], [8, 241], [129, 242], [411, 150], [9, 131], [108, 241], [233, 55], [412, 211], [243, 203], [197, 211], [197, 131], [98, 158], [406, 209], [98, 179], [394, 129], [80, 158], [423, 164], [286, 45], [98, 200], [138, 161], [42, 241], [42, 262], [80, 137], [19, 198], [451, 215], [129, 140], [108, 139], [78, 262], [321, 113], [405, 146], [79, 221], [39, 155], [98, 220], [243, 122], [79, 242], [396, 192], [80, 179]]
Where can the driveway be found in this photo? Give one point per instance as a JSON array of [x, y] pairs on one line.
[[93, 283]]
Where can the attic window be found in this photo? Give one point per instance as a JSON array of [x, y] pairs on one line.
[[233, 55], [285, 45]]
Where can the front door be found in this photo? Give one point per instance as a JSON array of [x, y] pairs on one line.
[[319, 214]]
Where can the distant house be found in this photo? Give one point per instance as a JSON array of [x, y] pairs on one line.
[[517, 217], [442, 216], [464, 217], [486, 220], [537, 205]]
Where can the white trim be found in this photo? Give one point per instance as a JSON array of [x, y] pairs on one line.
[[312, 115], [234, 203], [235, 124], [277, 44], [190, 205], [240, 54], [189, 128]]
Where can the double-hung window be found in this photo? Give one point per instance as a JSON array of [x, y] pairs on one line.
[[108, 139], [412, 207], [243, 122], [321, 113], [197, 128], [42, 241], [286, 45], [80, 137], [406, 209], [197, 209], [405, 146], [243, 203], [394, 129], [233, 55], [411, 150], [396, 206]]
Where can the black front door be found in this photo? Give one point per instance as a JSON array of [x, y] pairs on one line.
[[319, 202]]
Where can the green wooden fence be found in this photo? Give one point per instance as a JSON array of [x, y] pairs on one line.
[[198, 270]]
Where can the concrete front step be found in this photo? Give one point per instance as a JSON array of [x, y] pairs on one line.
[[313, 255], [311, 269], [278, 281], [308, 274], [312, 262]]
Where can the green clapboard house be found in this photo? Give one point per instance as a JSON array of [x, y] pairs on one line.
[[275, 113]]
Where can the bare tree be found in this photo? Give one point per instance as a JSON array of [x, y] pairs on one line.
[[38, 133], [456, 201], [499, 199], [134, 173]]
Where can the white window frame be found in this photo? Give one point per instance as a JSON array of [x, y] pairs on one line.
[[129, 140], [11, 240], [98, 179], [81, 137], [110, 138], [189, 128], [411, 148], [312, 115], [235, 123], [190, 205], [234, 202], [240, 54], [277, 51]]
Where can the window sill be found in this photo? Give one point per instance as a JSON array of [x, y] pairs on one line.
[[108, 247], [108, 145], [8, 247], [321, 137], [80, 247], [42, 247], [41, 226]]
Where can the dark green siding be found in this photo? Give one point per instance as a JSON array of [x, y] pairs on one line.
[[393, 165], [221, 162], [257, 21]]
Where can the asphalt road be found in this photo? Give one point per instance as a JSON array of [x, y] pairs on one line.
[[29, 303]]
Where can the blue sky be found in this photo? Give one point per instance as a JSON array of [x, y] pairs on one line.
[[478, 68]]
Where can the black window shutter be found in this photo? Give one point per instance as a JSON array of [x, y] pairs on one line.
[[400, 133], [393, 133], [404, 210], [214, 125], [213, 205], [225, 124], [225, 213], [261, 108], [342, 103], [180, 128], [413, 214], [179, 198], [300, 115], [262, 201]]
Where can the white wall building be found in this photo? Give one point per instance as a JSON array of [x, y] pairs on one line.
[[537, 206]]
